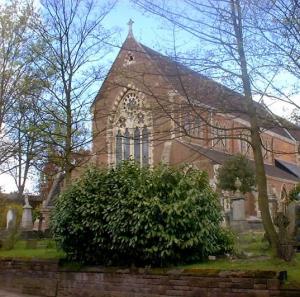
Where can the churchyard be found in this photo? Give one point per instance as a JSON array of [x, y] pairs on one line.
[[85, 212], [134, 172]]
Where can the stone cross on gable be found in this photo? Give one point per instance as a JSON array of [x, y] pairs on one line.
[[130, 23]]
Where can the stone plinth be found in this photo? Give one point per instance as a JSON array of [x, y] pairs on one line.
[[26, 222], [46, 217], [238, 209], [238, 222]]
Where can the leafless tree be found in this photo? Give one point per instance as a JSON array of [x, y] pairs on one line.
[[16, 61], [76, 43], [233, 52], [280, 29]]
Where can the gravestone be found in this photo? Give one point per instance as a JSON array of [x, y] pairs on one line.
[[286, 245], [10, 219], [26, 222], [293, 213], [238, 222]]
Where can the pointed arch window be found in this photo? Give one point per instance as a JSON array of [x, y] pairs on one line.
[[132, 133], [145, 146], [126, 145], [137, 145], [119, 147]]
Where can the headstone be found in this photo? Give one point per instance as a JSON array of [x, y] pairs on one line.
[[286, 246], [45, 221], [26, 222], [291, 214], [37, 225], [10, 219]]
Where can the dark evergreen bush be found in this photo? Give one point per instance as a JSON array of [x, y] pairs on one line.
[[236, 166], [132, 215]]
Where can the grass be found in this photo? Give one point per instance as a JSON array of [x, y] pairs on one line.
[[253, 254], [293, 268], [41, 249]]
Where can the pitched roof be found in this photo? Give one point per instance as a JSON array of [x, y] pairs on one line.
[[202, 90], [220, 157], [289, 167]]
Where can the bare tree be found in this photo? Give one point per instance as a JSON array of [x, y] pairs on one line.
[[76, 43], [16, 59], [280, 29], [233, 51], [26, 132]]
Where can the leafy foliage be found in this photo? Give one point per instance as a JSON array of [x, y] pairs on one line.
[[293, 194], [132, 215], [236, 166]]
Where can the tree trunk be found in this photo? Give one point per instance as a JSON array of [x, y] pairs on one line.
[[261, 180]]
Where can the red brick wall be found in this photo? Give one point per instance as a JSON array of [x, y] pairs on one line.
[[47, 278]]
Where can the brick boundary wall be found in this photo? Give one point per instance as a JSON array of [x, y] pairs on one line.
[[48, 278]]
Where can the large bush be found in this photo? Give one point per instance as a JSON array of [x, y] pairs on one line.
[[133, 215]]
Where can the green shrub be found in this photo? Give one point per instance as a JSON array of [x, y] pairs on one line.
[[236, 166], [132, 215]]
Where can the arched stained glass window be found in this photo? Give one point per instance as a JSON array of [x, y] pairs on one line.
[[132, 138], [119, 147], [126, 145], [137, 145], [145, 144]]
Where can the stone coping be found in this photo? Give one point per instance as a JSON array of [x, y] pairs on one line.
[[59, 266]]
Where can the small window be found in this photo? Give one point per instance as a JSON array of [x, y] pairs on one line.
[[129, 59]]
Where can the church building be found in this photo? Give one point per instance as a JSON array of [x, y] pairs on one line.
[[153, 109]]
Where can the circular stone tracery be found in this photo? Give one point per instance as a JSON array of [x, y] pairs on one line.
[[131, 113]]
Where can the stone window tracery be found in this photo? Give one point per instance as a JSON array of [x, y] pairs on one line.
[[131, 130]]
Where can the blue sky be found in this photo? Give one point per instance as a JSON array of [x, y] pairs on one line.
[[144, 28], [150, 31], [147, 30]]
